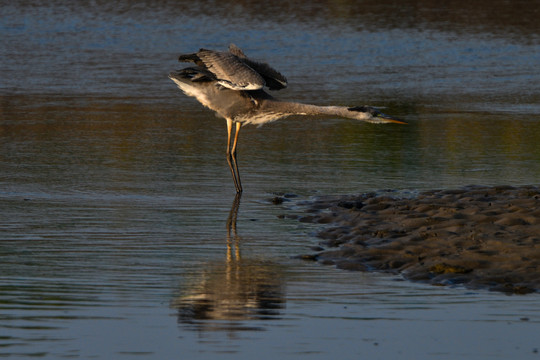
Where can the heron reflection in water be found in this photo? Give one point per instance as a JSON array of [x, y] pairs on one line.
[[232, 85], [232, 292]]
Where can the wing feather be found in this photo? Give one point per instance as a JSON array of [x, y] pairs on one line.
[[235, 71], [272, 78]]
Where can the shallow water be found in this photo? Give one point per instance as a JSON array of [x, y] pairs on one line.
[[115, 194]]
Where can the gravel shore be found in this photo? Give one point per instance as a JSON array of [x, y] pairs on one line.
[[477, 237]]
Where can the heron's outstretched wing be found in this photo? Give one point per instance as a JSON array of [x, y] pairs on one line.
[[273, 78], [228, 69], [235, 71]]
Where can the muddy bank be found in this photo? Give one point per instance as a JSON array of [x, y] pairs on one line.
[[478, 237]]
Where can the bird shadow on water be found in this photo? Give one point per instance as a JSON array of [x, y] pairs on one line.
[[229, 294]]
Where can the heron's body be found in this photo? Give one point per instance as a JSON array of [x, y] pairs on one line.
[[232, 85]]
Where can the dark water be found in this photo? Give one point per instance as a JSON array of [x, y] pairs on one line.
[[119, 233]]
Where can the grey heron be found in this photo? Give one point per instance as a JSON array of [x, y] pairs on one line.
[[232, 85]]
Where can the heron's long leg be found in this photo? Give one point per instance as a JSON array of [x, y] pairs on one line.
[[231, 155], [238, 126]]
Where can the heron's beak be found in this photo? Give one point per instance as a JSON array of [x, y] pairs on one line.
[[389, 119], [375, 116]]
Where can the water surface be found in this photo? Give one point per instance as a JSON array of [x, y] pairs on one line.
[[117, 234]]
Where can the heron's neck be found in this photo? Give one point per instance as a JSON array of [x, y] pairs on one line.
[[295, 108]]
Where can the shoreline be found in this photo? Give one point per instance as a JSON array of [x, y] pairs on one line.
[[478, 237]]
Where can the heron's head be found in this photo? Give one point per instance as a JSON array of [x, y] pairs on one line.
[[372, 115]]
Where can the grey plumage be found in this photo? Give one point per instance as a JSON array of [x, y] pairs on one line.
[[232, 85], [235, 71]]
